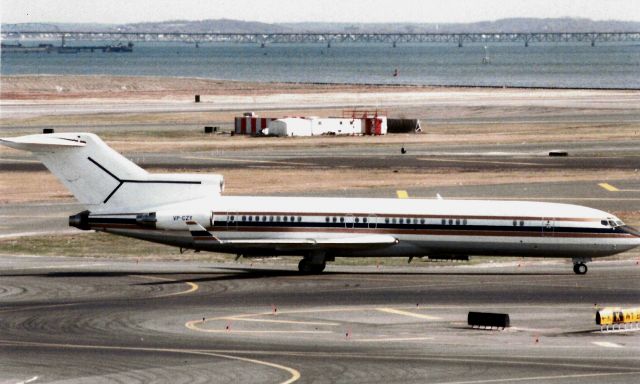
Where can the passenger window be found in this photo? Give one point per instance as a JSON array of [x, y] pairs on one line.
[[293, 219], [357, 220], [270, 218], [264, 218], [457, 221], [421, 221], [444, 221], [335, 219], [249, 218], [401, 221], [393, 220], [284, 218], [515, 222], [244, 218], [450, 221], [342, 219], [522, 223], [326, 219], [386, 220], [464, 222], [364, 220]]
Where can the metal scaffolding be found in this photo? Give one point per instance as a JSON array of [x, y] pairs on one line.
[[329, 38]]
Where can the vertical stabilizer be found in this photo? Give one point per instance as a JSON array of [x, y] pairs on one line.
[[87, 166], [105, 181]]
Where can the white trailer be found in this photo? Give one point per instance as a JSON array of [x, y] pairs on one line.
[[314, 126]]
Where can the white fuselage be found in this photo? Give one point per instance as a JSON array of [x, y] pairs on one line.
[[421, 226]]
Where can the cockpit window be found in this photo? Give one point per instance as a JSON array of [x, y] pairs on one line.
[[619, 223], [604, 222]]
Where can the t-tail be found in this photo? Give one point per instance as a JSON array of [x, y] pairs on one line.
[[105, 181]]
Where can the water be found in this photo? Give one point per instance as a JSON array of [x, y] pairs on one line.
[[539, 65]]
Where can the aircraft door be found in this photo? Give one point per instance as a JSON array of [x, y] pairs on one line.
[[372, 221], [548, 226], [348, 221], [232, 223]]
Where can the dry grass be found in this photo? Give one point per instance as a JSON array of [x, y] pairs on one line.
[[47, 87], [42, 186]]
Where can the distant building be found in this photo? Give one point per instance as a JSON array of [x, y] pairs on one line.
[[358, 123]]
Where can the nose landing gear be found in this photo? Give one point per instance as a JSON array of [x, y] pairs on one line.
[[580, 265], [580, 268]]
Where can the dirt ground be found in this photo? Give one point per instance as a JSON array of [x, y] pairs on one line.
[[491, 116]]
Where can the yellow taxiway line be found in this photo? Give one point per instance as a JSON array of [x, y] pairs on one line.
[[402, 194], [609, 187], [232, 318], [192, 286]]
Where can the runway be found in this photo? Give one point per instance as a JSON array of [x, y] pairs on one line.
[[79, 320], [74, 320]]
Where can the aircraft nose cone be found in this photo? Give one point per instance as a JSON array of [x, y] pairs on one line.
[[634, 232]]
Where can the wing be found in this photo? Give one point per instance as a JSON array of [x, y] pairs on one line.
[[202, 236]]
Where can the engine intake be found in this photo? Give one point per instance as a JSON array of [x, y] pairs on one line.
[[80, 220]]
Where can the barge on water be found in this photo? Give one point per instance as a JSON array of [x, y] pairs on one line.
[[50, 48]]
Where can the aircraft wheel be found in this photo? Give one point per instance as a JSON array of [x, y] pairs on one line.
[[305, 267], [580, 268], [318, 268]]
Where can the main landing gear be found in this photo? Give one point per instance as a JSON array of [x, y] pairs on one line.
[[307, 267], [313, 263]]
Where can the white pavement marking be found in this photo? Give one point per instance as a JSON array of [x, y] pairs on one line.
[[279, 162], [31, 380], [409, 314], [391, 339], [295, 375], [539, 378], [480, 161], [607, 344]]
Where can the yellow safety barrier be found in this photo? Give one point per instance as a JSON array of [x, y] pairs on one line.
[[617, 316]]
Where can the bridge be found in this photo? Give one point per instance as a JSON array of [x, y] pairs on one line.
[[329, 38]]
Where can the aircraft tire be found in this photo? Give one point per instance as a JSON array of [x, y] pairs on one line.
[[580, 268], [305, 267], [318, 268]]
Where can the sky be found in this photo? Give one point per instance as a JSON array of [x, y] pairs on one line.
[[355, 11]]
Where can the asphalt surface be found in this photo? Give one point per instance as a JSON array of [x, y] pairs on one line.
[[85, 320], [97, 320]]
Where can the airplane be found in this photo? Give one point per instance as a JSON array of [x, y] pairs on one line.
[[190, 211]]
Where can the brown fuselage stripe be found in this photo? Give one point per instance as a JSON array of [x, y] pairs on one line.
[[460, 232]]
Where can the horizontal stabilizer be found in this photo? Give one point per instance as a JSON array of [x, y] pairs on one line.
[[41, 143]]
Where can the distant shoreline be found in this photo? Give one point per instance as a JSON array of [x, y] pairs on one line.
[[51, 87]]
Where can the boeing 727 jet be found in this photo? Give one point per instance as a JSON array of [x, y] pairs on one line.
[[189, 211]]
